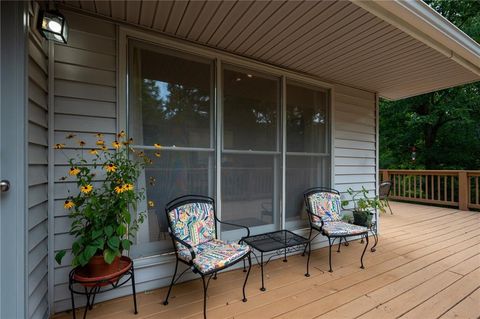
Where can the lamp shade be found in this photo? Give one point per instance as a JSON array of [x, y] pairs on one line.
[[53, 26]]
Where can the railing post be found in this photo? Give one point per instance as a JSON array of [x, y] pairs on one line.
[[463, 190], [385, 175]]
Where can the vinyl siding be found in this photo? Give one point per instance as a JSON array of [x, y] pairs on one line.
[[85, 103], [355, 145], [37, 261]]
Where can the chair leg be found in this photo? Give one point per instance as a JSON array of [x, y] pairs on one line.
[[246, 277], [309, 238], [339, 244], [390, 208], [171, 284], [214, 276], [308, 259], [204, 298], [330, 254], [364, 249]]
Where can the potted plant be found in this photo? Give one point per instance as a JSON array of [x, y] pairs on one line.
[[102, 225], [364, 206]]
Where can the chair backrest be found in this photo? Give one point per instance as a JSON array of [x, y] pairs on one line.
[[192, 219], [324, 202], [384, 189]]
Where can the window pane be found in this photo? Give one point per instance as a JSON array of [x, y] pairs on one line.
[[174, 174], [306, 120], [251, 107], [170, 104], [302, 173], [171, 97], [248, 189]]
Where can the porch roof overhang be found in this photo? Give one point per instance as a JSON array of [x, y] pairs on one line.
[[395, 48]]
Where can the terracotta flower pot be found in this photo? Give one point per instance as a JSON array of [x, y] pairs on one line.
[[97, 267]]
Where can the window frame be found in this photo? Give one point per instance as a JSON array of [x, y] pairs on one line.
[[126, 33]]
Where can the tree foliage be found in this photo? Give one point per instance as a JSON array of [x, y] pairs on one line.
[[443, 126]]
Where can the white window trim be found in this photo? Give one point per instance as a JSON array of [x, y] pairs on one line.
[[124, 33]]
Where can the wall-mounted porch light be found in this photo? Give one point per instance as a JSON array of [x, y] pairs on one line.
[[53, 26]]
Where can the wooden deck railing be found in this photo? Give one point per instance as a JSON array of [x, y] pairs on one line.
[[443, 187]]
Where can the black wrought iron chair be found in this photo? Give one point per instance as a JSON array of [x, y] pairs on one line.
[[324, 208], [193, 229], [383, 193]]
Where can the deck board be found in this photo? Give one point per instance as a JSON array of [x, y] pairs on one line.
[[427, 265]]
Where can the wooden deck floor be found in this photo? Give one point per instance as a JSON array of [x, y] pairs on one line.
[[427, 265]]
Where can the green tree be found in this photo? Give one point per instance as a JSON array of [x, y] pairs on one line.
[[443, 126]]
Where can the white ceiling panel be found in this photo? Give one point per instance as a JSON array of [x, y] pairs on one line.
[[332, 40]]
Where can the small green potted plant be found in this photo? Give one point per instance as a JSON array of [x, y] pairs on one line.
[[364, 206], [102, 225]]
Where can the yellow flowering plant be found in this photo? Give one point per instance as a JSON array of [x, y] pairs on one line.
[[100, 212]]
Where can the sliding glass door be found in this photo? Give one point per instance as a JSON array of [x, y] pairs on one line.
[[251, 154]]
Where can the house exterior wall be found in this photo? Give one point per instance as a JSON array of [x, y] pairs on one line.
[[37, 213], [86, 101]]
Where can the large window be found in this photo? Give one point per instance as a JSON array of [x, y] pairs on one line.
[[251, 148], [238, 138], [171, 103], [307, 156]]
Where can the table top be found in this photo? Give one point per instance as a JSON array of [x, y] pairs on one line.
[[276, 240]]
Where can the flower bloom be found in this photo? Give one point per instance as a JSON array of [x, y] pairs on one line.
[[157, 154], [110, 168], [128, 187], [100, 142], [74, 171], [157, 145], [70, 136], [93, 151], [121, 134], [151, 203], [104, 148], [99, 135], [68, 204], [86, 189], [59, 146], [116, 144], [119, 189], [81, 143]]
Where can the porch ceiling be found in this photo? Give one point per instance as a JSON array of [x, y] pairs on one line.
[[333, 40]]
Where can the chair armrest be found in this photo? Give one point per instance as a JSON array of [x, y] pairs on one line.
[[188, 246], [236, 225], [318, 216]]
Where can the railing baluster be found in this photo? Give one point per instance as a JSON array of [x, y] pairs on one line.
[[476, 191], [438, 187], [426, 187], [445, 188], [432, 178], [452, 193], [414, 186]]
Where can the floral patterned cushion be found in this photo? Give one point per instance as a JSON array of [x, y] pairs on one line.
[[214, 254], [194, 223], [326, 205], [339, 228]]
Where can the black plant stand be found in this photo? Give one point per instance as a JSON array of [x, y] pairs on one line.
[[281, 242], [80, 283]]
